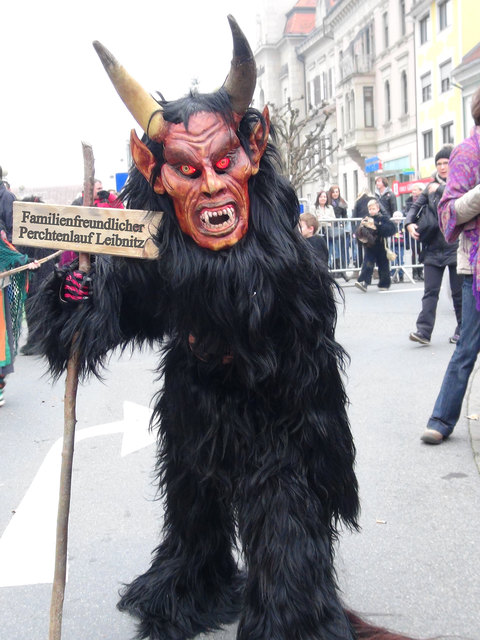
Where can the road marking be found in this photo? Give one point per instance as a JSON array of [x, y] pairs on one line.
[[27, 546], [400, 290]]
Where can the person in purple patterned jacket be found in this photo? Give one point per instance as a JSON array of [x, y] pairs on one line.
[[459, 218]]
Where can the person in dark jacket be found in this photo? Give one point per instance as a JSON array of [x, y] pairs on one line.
[[340, 208], [410, 243], [436, 255], [309, 229], [375, 251], [386, 197], [360, 211]]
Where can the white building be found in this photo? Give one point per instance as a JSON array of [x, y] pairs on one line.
[[358, 55]]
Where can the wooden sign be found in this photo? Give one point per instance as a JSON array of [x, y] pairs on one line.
[[119, 232]]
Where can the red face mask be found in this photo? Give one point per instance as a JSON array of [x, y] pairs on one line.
[[206, 173]]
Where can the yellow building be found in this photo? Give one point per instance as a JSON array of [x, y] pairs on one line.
[[445, 31]]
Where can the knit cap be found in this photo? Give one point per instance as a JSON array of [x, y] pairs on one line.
[[444, 152]]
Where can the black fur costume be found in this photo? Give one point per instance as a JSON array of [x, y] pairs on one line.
[[253, 435]]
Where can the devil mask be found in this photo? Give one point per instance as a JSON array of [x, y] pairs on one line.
[[206, 169]]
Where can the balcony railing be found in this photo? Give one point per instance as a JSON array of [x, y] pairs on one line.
[[351, 65]]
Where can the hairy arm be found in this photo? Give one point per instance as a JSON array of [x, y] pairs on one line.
[[119, 311]]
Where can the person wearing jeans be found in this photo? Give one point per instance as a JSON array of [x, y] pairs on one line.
[[437, 253], [450, 399], [459, 217]]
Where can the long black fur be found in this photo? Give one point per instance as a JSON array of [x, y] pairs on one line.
[[260, 446]]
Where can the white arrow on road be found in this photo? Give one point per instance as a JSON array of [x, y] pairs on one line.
[[27, 547]]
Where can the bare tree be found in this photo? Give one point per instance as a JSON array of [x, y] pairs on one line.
[[303, 142]]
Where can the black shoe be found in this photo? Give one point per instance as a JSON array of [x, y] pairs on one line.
[[361, 285], [417, 337], [432, 436]]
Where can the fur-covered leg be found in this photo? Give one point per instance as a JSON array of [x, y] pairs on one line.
[[193, 584], [291, 592]]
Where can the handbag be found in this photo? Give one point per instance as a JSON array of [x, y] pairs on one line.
[[366, 232], [427, 223], [391, 255]]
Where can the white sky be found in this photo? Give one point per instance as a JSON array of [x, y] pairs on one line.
[[54, 92]]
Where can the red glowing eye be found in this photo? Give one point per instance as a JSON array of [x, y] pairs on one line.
[[187, 169], [223, 164]]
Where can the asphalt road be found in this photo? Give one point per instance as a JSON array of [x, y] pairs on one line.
[[413, 567]]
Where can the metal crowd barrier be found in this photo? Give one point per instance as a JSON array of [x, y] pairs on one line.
[[345, 252]]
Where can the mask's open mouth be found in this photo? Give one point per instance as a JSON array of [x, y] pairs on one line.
[[219, 221]]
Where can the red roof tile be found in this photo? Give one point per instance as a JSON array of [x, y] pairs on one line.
[[306, 3], [300, 23]]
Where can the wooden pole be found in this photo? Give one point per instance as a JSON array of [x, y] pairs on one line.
[[71, 385], [24, 267]]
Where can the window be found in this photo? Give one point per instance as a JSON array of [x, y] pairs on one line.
[[355, 182], [445, 73], [342, 119], [325, 95], [444, 14], [368, 111], [366, 41], [404, 87], [328, 149], [426, 82], [425, 29], [345, 187], [388, 110], [447, 133], [427, 144], [352, 107], [316, 90], [403, 24], [385, 30], [330, 83], [262, 98]]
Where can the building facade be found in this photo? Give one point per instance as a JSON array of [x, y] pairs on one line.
[[399, 73], [445, 35]]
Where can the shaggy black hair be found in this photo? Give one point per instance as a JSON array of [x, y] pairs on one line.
[[254, 437]]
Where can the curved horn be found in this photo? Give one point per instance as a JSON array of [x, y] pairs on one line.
[[146, 111], [240, 82]]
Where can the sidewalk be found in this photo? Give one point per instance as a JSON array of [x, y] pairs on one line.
[[473, 409]]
